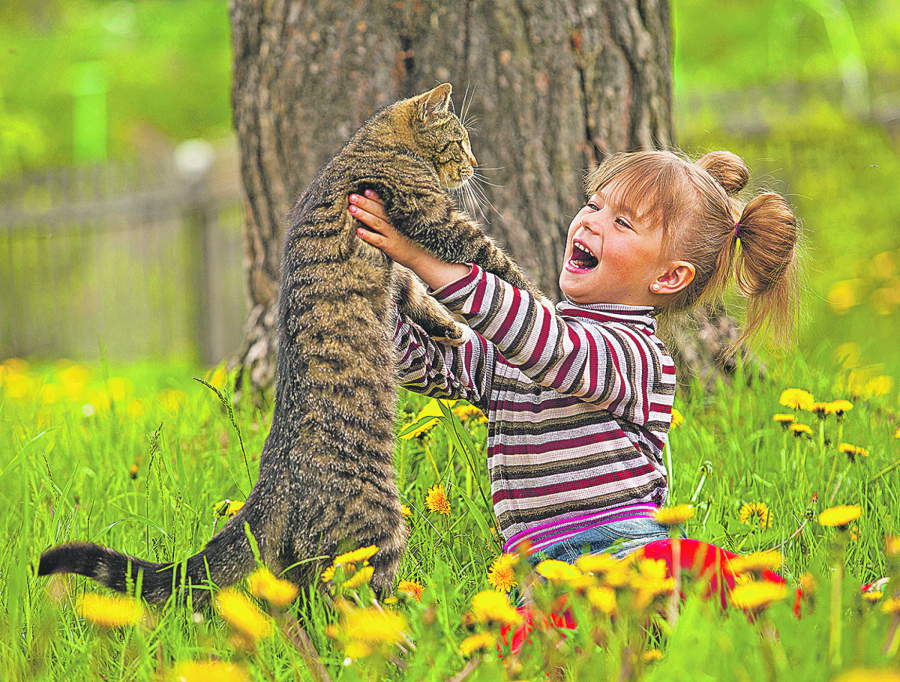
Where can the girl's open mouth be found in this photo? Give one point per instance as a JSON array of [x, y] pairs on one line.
[[582, 258]]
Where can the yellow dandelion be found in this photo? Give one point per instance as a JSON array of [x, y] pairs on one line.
[[242, 614], [357, 650], [490, 606], [819, 409], [799, 429], [118, 388], [878, 386], [373, 626], [413, 589], [218, 377], [784, 419], [135, 408], [227, 508], [420, 430], [796, 399], [840, 516], [502, 573], [351, 563], [897, 432], [426, 420], [263, 584], [756, 514], [74, 380], [557, 571], [357, 556], [840, 407], [172, 399], [360, 578], [871, 597], [619, 575], [891, 605], [853, 451], [651, 656], [597, 563], [892, 547], [602, 598], [677, 418], [743, 578], [437, 501], [649, 580], [206, 671], [808, 583], [756, 594], [672, 516], [405, 511], [110, 612], [476, 643], [469, 412], [757, 561]]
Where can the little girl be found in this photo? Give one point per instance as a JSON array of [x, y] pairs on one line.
[[579, 398]]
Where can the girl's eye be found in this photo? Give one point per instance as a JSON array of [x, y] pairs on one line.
[[623, 223], [591, 205]]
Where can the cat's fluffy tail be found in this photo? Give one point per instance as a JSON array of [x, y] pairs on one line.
[[224, 560]]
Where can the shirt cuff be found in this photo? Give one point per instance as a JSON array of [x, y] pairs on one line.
[[459, 289]]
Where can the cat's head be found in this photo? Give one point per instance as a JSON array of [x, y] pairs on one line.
[[440, 137]]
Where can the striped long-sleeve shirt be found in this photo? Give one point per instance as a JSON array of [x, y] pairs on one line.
[[578, 401]]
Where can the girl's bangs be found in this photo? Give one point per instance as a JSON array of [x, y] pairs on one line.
[[648, 185]]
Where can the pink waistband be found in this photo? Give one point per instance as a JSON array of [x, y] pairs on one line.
[[549, 533]]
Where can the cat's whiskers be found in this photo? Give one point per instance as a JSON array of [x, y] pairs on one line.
[[465, 200], [467, 102], [482, 179], [479, 195]]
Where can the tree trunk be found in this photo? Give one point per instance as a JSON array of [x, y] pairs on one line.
[[552, 85]]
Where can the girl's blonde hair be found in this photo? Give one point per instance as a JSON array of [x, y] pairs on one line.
[[703, 223]]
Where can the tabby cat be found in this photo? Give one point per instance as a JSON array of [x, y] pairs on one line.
[[326, 478]]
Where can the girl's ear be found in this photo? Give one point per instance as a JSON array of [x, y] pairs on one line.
[[676, 277]]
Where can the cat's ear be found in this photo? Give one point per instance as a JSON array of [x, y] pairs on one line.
[[435, 103]]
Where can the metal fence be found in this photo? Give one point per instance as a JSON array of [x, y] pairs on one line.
[[126, 259]]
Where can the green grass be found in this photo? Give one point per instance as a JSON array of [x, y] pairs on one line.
[[70, 435]]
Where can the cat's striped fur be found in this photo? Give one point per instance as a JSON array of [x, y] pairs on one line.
[[326, 479]]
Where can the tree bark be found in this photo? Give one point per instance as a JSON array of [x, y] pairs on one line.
[[552, 87]]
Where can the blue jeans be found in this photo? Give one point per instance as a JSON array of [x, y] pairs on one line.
[[618, 538]]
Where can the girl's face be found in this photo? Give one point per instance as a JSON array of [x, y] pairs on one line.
[[613, 253]]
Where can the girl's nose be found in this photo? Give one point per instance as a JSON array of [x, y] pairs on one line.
[[589, 225]]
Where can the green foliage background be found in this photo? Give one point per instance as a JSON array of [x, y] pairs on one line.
[[760, 77]]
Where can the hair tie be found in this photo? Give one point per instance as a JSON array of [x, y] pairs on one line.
[[736, 225]]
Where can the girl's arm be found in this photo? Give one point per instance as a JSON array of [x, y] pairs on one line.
[[442, 371], [612, 365]]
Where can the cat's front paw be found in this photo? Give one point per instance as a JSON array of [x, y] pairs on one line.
[[451, 335]]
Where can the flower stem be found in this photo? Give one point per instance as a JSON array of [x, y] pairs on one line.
[[671, 481], [837, 581], [675, 599]]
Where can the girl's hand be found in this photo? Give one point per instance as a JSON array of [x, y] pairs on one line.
[[378, 231]]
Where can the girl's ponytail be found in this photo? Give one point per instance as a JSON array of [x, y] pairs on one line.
[[767, 266], [727, 169]]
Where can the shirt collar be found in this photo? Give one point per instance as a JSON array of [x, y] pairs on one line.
[[635, 315]]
